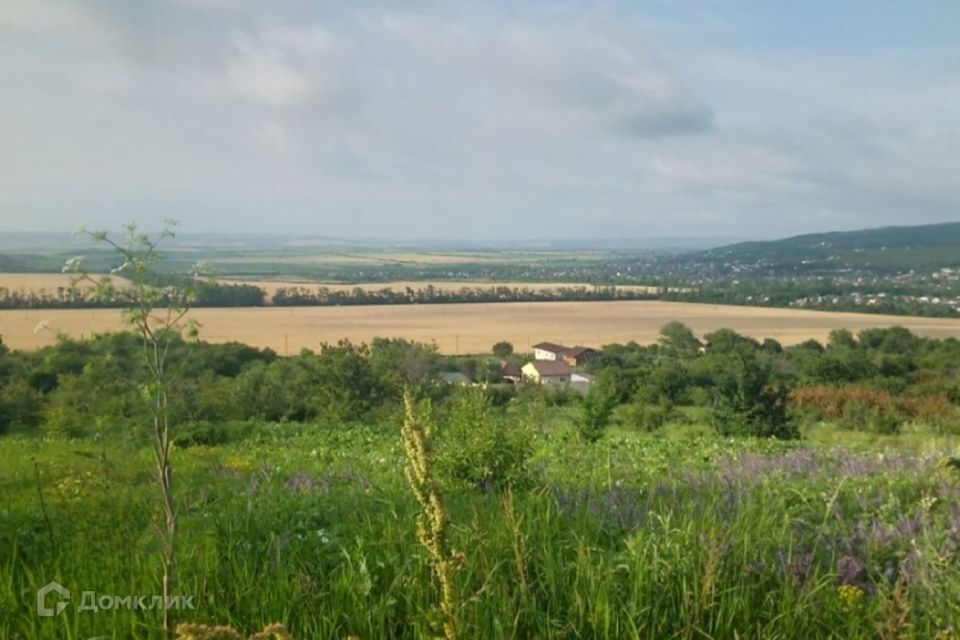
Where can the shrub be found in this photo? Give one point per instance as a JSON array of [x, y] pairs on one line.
[[206, 433], [20, 405], [647, 417], [478, 447], [861, 417], [595, 413], [748, 401]]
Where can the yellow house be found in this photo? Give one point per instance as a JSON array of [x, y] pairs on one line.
[[547, 372]]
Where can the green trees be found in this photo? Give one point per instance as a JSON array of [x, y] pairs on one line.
[[502, 349], [345, 384], [678, 340], [399, 362], [749, 399]]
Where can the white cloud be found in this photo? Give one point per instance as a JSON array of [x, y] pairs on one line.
[[272, 136], [456, 120], [265, 77]]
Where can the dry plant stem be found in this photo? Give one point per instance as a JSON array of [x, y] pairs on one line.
[[432, 522]]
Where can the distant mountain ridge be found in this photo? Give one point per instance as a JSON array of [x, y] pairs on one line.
[[935, 241]]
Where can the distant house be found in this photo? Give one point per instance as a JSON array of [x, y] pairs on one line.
[[547, 372], [511, 372], [581, 382], [574, 356], [578, 355], [454, 377], [548, 351]]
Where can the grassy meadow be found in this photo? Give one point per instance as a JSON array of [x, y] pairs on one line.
[[682, 534]]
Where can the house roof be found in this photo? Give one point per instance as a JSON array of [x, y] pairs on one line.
[[510, 369], [579, 351], [551, 346], [552, 367]]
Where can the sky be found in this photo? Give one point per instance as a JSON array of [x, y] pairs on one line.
[[480, 120]]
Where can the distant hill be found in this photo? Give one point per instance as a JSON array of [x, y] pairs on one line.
[[883, 248]]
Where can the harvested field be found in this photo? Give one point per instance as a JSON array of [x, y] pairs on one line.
[[471, 328], [35, 282]]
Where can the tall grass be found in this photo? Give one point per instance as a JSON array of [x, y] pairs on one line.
[[633, 537]]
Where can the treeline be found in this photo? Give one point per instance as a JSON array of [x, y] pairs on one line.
[[324, 296], [878, 380], [208, 294], [216, 294]]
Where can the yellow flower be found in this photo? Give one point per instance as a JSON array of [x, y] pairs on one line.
[[850, 596], [235, 463]]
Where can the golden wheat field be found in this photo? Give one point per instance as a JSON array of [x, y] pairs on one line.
[[35, 282], [469, 328]]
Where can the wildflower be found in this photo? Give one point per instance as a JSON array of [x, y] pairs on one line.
[[72, 265], [850, 596], [238, 464]]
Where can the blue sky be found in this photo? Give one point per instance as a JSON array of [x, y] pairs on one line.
[[480, 120]]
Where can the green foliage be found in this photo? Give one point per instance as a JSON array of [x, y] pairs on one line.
[[401, 363], [20, 405], [678, 340], [748, 401], [595, 413], [210, 433], [479, 447], [859, 417], [667, 382], [97, 385], [346, 386], [648, 417], [502, 349]]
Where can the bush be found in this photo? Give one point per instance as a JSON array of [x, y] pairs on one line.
[[647, 417], [595, 413], [479, 448], [500, 395], [748, 401], [859, 416], [20, 406], [206, 433]]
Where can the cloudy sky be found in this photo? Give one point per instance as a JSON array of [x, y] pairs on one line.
[[478, 120]]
